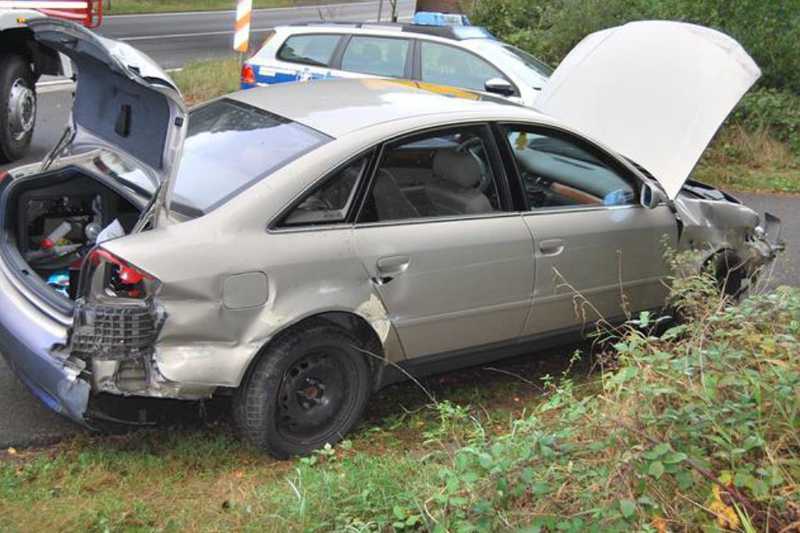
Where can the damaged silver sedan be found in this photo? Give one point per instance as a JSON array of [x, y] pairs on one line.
[[301, 246]]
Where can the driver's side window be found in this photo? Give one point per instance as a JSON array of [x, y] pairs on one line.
[[559, 171], [439, 174]]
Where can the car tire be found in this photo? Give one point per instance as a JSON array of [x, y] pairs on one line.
[[309, 388], [17, 117], [729, 273]]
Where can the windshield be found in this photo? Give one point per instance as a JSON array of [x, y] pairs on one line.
[[532, 71], [229, 147], [530, 61]]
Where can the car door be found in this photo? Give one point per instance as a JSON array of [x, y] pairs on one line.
[[453, 265], [599, 254], [373, 55], [443, 64]]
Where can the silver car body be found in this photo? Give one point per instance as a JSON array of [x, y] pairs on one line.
[[488, 285]]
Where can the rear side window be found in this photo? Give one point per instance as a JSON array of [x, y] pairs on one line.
[[447, 65], [446, 173], [329, 202], [379, 56], [229, 147], [314, 50]]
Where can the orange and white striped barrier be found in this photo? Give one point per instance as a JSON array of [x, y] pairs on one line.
[[241, 37]]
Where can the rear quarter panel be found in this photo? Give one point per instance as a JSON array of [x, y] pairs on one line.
[[205, 342]]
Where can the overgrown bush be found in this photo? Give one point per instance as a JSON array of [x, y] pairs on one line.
[[769, 30], [773, 111]]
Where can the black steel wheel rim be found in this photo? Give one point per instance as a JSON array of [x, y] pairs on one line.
[[313, 395]]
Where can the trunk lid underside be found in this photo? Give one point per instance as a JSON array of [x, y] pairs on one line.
[[124, 101]]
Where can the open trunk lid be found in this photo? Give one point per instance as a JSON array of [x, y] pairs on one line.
[[124, 101], [655, 91]]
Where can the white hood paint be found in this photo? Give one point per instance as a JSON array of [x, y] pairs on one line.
[[654, 91]]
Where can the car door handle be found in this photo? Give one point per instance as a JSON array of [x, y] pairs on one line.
[[389, 267], [551, 247]]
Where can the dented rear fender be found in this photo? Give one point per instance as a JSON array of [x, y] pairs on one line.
[[226, 294]]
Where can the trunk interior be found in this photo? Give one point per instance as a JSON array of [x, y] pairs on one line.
[[51, 223]]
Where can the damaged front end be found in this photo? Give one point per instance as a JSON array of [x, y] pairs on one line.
[[730, 239]]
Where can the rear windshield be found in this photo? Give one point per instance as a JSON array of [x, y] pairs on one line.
[[229, 147]]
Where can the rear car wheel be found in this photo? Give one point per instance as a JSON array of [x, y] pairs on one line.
[[17, 108], [308, 389]]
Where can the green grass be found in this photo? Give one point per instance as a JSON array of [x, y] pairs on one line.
[[123, 7], [740, 159], [695, 428], [206, 480], [746, 179], [202, 80]]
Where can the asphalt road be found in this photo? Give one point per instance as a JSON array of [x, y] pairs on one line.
[[172, 39]]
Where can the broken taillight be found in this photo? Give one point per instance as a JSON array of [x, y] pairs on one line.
[[124, 279], [248, 75]]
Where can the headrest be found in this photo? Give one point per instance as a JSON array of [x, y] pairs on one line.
[[457, 167]]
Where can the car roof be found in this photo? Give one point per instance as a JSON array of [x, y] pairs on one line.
[[454, 33], [338, 107]]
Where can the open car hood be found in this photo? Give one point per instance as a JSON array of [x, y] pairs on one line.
[[123, 100], [654, 91]]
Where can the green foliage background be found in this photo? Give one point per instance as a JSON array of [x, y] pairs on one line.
[[768, 29]]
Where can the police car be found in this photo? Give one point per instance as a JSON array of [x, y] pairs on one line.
[[460, 56]]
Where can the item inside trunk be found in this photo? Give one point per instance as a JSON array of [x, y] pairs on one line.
[[55, 220]]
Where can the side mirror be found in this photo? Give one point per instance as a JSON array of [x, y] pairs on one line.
[[499, 86], [652, 196]]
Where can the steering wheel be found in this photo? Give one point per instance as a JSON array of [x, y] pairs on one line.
[[473, 147]]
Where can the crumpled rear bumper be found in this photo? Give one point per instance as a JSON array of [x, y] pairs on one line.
[[27, 336]]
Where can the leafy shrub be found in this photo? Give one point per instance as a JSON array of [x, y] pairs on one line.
[[776, 112], [769, 30]]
